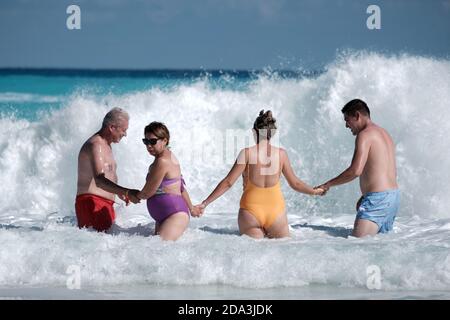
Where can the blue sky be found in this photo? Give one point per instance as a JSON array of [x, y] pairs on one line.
[[215, 34]]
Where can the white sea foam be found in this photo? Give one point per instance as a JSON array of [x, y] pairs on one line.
[[414, 257]]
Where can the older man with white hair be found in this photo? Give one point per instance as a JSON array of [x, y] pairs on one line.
[[97, 178]]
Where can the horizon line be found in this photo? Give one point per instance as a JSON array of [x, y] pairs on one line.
[[158, 72]]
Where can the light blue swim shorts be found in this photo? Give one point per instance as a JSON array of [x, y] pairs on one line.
[[381, 208]]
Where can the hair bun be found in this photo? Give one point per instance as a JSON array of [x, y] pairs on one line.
[[265, 120], [268, 119]]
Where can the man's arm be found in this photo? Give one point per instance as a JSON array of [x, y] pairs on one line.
[[98, 166], [362, 147]]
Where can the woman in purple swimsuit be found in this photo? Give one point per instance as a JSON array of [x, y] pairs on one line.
[[168, 201]]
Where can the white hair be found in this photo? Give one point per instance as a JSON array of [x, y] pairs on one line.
[[114, 116]]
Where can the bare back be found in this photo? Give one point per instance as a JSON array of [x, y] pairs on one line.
[[95, 158], [264, 165], [380, 171]]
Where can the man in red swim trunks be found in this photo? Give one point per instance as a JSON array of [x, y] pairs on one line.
[[97, 178]]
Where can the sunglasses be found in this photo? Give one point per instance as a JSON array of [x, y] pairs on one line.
[[151, 142]]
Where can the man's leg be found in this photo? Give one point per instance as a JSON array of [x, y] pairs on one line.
[[103, 219], [364, 228], [84, 208]]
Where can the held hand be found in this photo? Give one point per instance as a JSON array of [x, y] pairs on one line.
[[197, 211], [318, 191], [124, 198], [132, 195], [325, 187]]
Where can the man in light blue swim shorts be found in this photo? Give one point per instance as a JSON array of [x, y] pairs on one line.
[[374, 163]]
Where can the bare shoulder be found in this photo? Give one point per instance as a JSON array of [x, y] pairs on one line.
[[384, 131], [282, 152], [162, 163], [377, 131], [250, 149], [243, 156], [94, 141], [88, 145], [171, 159], [245, 151], [367, 133]]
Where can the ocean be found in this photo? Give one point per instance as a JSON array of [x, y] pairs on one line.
[[46, 115]]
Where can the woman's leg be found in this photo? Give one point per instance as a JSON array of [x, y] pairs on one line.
[[174, 226], [248, 225]]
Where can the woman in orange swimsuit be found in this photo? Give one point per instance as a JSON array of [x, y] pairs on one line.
[[262, 207]]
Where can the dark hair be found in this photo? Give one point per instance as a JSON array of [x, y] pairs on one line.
[[159, 129], [356, 105], [265, 121]]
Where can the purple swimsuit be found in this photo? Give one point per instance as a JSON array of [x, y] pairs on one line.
[[163, 204]]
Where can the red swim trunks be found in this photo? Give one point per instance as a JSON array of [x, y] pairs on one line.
[[94, 211]]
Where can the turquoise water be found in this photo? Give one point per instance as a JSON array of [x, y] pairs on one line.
[[26, 96]]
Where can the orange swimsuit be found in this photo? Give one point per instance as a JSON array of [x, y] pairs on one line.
[[265, 204]]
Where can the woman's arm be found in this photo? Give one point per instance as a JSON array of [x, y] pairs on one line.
[[230, 179], [154, 178], [294, 182]]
